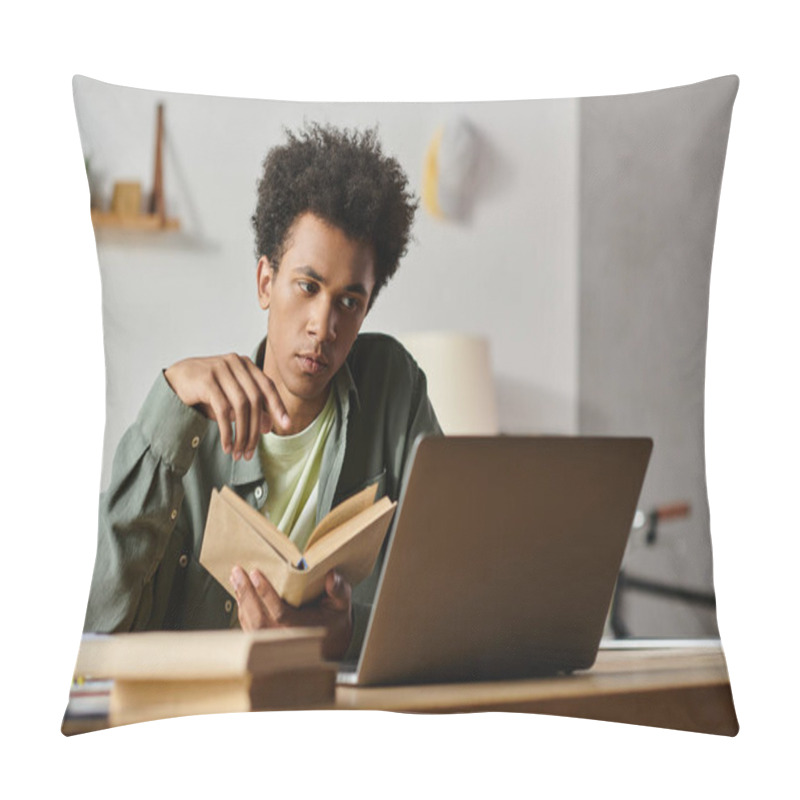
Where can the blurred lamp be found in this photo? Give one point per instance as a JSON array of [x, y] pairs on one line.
[[460, 382]]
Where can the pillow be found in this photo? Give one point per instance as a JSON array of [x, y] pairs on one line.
[[573, 236]]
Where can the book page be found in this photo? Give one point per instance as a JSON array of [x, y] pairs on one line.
[[230, 539], [350, 529], [262, 526], [344, 511], [354, 554]]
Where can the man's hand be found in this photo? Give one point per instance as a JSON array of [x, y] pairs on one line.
[[230, 389], [260, 606]]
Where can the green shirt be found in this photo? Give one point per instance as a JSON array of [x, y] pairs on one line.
[[147, 575]]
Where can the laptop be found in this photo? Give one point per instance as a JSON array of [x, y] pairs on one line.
[[502, 558]]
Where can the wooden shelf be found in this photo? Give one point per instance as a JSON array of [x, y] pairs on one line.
[[154, 221], [140, 222]]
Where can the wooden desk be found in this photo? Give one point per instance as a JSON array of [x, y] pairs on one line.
[[682, 688], [686, 689]]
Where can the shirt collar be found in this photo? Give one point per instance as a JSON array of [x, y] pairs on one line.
[[345, 386]]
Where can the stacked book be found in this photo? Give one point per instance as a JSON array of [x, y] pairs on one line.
[[170, 674]]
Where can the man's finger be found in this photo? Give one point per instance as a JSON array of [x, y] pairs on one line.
[[337, 591], [240, 403], [274, 404], [239, 366], [252, 615], [221, 412], [275, 607]]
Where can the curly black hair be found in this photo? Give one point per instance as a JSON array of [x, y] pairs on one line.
[[343, 177]]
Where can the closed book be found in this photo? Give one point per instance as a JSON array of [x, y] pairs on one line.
[[192, 655], [142, 700]]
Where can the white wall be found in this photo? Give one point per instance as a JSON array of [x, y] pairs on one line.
[[509, 271]]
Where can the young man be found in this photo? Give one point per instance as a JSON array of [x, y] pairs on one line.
[[319, 413]]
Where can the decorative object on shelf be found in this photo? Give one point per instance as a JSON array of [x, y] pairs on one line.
[[157, 198], [126, 204], [126, 201], [460, 383]]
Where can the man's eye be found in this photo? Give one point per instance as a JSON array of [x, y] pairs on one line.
[[307, 287], [350, 303]]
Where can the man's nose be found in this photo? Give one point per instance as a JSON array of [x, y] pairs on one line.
[[322, 324]]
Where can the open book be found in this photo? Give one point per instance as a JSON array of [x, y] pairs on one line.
[[347, 539]]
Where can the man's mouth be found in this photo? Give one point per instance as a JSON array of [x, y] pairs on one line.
[[312, 363]]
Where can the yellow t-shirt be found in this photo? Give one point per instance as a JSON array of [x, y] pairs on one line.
[[291, 467]]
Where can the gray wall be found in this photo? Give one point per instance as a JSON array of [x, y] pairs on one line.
[[651, 168]]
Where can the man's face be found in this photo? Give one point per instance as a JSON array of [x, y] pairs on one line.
[[317, 299]]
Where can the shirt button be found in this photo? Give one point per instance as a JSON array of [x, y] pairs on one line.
[[228, 606], [183, 560], [174, 514], [195, 441], [259, 492]]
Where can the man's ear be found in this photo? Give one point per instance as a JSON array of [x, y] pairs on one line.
[[264, 276]]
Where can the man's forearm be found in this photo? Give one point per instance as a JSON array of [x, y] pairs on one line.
[[140, 509]]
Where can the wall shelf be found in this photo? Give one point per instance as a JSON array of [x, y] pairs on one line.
[[156, 219], [138, 222]]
